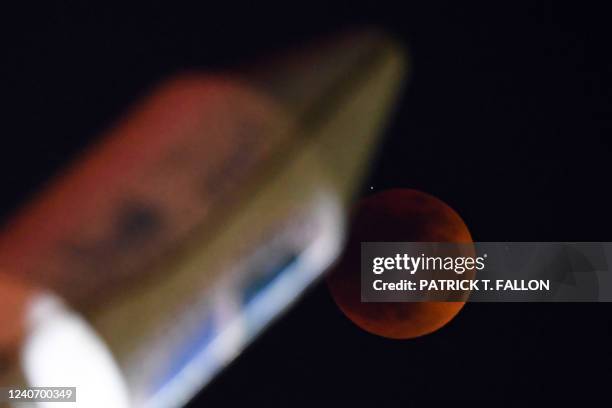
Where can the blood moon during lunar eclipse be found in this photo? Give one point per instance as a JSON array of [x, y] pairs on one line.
[[398, 215]]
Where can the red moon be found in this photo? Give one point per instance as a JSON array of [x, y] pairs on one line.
[[395, 215]]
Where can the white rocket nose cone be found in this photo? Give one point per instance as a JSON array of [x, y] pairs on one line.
[[61, 350]]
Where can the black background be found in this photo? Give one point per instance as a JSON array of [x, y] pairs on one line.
[[507, 118]]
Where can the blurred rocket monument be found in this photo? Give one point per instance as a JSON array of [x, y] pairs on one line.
[[193, 224]]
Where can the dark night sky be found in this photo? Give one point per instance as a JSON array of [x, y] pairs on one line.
[[507, 117]]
